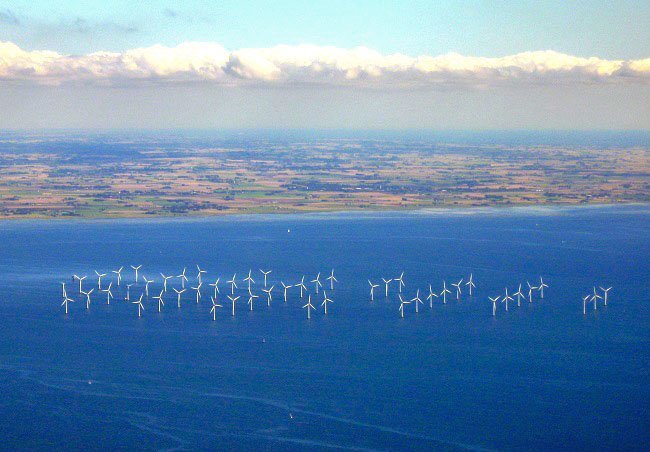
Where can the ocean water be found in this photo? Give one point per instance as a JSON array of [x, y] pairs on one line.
[[541, 376]]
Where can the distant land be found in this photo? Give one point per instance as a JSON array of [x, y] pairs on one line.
[[140, 174]]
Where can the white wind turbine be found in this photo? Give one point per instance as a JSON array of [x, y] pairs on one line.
[[233, 300], [136, 271], [325, 301], [431, 296], [80, 278], [386, 283], [400, 279], [269, 295], [284, 288], [128, 292], [109, 294], [584, 303], [200, 272], [595, 298], [66, 300], [251, 299], [118, 272], [332, 279], [165, 278], [530, 292], [183, 277], [605, 292], [309, 307], [458, 288], [402, 302], [506, 298], [215, 305], [302, 286], [541, 287], [233, 284], [417, 301], [216, 287], [139, 303], [494, 304], [265, 273], [372, 290], [63, 289], [198, 291], [470, 283], [519, 295], [178, 295], [161, 303], [87, 294], [249, 279], [317, 282], [444, 292], [99, 279], [146, 285]]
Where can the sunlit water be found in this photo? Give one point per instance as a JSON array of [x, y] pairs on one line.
[[540, 376]]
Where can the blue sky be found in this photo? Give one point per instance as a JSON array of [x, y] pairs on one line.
[[608, 29]]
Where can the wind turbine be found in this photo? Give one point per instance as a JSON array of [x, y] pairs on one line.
[[233, 300], [444, 292], [541, 287], [146, 285], [165, 278], [161, 303], [386, 283], [494, 304], [401, 304], [431, 296], [213, 311], [317, 282], [233, 284], [332, 279], [417, 301], [584, 303], [216, 287], [198, 291], [506, 298], [66, 300], [139, 303], [309, 307], [80, 278], [470, 283], [325, 301], [302, 286], [401, 281], [63, 289], [458, 288], [178, 295], [118, 272], [200, 272], [249, 279], [251, 298], [605, 292], [285, 287], [265, 273], [595, 298], [99, 279], [372, 290], [87, 294], [269, 295], [183, 277], [128, 292], [530, 292], [136, 271], [109, 294], [519, 295]]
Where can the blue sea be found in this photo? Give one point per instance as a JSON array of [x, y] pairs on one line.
[[541, 376]]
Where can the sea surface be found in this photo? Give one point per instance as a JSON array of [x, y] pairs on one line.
[[541, 376]]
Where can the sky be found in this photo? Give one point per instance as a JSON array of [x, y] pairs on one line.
[[336, 64]]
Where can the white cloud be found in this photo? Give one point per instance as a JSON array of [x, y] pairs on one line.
[[305, 64]]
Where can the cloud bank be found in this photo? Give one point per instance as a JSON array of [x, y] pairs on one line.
[[200, 62]]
